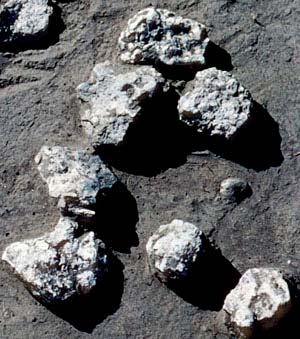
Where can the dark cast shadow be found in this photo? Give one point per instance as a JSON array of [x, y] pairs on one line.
[[156, 142], [86, 312], [20, 43], [116, 219], [257, 145], [209, 281]]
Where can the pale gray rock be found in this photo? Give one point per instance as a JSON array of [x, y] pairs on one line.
[[259, 301], [115, 100], [57, 265], [173, 248], [216, 104], [76, 178], [234, 189], [24, 20], [156, 35]]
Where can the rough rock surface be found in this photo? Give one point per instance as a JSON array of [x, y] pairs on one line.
[[217, 104], [21, 20], [259, 301], [58, 265], [173, 248], [75, 177], [234, 189], [115, 100], [158, 35]]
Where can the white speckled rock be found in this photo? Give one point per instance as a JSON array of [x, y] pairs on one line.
[[158, 35], [173, 248], [58, 265], [75, 177], [259, 301], [216, 104], [21, 20], [115, 100], [234, 189]]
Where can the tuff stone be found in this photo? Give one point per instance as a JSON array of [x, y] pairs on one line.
[[58, 265]]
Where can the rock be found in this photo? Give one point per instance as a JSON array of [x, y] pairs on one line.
[[234, 189], [173, 248], [216, 104], [58, 265], [159, 36], [76, 178], [115, 100], [24, 20], [259, 301]]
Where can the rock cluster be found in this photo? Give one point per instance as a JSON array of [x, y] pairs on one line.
[[24, 20], [58, 265], [159, 36], [76, 178], [115, 100], [259, 301], [173, 248], [216, 104]]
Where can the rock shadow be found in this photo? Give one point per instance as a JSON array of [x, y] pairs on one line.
[[116, 219], [86, 312], [257, 145], [215, 56], [156, 142], [210, 280], [49, 38]]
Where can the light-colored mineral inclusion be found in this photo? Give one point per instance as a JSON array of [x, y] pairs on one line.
[[233, 189], [24, 19], [158, 35], [173, 248], [216, 104], [259, 301], [58, 265], [75, 177], [115, 100]]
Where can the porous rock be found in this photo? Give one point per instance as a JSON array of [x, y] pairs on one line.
[[76, 178], [24, 20], [58, 265], [156, 35], [174, 248], [115, 100], [259, 301], [234, 189], [216, 104]]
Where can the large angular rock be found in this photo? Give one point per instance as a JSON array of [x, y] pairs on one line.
[[173, 248], [115, 100], [159, 36], [76, 178], [24, 20], [58, 265], [259, 301], [216, 104]]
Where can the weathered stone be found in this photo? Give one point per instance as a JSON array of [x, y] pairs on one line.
[[58, 265], [24, 20], [216, 104], [234, 189], [76, 178], [173, 248], [116, 100], [159, 36], [259, 301]]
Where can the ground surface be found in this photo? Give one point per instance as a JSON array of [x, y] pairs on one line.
[[39, 106]]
